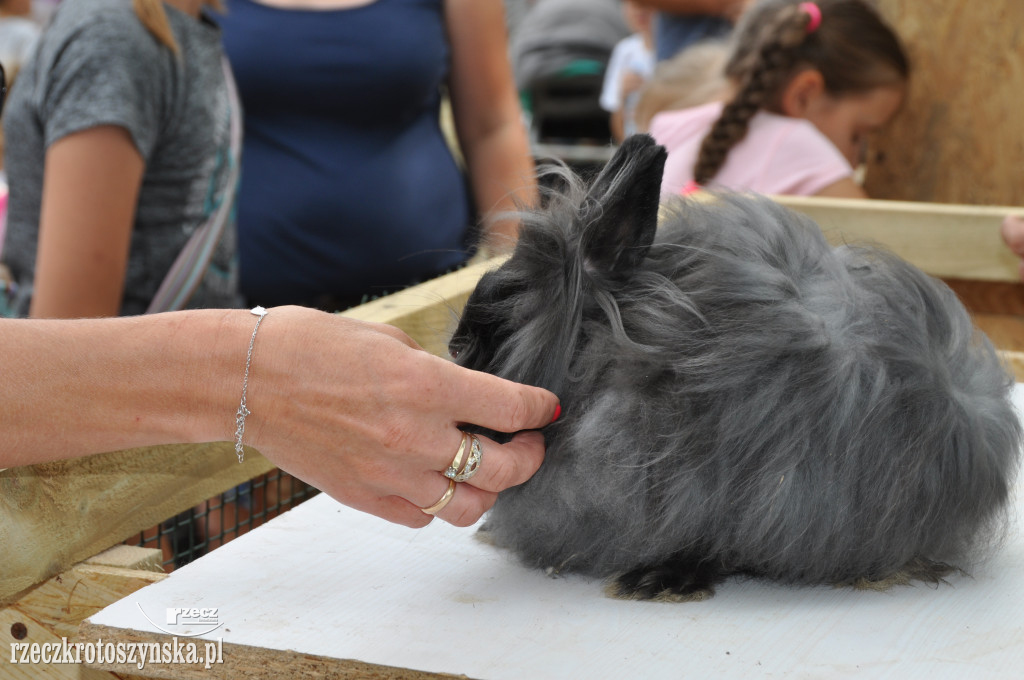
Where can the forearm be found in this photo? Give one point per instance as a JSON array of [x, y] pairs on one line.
[[72, 388], [503, 178]]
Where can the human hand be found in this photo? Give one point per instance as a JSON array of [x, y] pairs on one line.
[[361, 412], [631, 82], [1013, 235]]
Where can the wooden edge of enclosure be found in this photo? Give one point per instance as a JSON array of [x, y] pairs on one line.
[[242, 661], [51, 611], [947, 241], [57, 514]]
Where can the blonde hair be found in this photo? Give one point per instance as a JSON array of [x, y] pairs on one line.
[[693, 77], [153, 16]]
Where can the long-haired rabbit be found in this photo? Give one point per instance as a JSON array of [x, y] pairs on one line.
[[740, 397]]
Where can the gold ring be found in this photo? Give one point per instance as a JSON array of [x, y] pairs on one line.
[[453, 469], [476, 452], [443, 501]]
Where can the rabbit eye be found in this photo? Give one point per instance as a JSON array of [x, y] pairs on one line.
[[457, 345]]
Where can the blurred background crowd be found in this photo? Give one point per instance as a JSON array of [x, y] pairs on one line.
[[198, 153]]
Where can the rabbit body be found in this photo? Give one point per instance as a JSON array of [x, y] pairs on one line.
[[739, 396]]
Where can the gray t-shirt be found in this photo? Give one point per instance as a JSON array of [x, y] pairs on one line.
[[96, 65]]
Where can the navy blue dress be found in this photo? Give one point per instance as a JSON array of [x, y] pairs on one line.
[[347, 185]]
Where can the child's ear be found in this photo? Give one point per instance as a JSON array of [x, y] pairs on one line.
[[802, 93], [619, 226]]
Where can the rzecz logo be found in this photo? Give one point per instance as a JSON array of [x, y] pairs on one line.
[[188, 621]]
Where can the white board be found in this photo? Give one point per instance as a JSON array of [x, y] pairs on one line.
[[328, 581]]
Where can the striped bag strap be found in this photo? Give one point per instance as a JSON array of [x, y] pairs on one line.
[[187, 271]]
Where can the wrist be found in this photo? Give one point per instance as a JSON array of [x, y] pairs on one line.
[[212, 347]]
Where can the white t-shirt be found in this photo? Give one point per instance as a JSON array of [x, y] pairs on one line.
[[630, 54], [18, 36], [779, 155]]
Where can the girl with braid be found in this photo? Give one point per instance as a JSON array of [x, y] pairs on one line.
[[809, 82]]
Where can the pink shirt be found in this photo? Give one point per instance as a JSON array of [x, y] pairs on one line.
[[779, 155]]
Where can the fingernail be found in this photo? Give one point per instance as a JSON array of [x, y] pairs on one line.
[[558, 412]]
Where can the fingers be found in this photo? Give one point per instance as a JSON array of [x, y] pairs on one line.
[[506, 465], [498, 404], [501, 466], [1013, 233]]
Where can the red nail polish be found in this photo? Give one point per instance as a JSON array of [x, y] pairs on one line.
[[558, 412]]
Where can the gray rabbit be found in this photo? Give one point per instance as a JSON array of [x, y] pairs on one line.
[[740, 398]]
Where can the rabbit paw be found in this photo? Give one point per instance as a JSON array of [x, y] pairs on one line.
[[678, 579]]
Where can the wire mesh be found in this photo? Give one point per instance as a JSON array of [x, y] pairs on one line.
[[218, 520]]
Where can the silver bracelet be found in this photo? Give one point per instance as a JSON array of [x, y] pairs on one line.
[[242, 410]]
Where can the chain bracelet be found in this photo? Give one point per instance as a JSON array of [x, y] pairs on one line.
[[242, 410]]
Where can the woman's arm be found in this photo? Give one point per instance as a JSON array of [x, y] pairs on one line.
[[487, 115], [91, 186], [354, 408]]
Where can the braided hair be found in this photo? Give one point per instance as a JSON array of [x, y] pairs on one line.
[[853, 48]]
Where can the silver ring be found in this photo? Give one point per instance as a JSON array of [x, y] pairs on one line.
[[476, 454]]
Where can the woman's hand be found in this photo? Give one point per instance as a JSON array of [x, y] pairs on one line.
[[361, 412], [1013, 235]]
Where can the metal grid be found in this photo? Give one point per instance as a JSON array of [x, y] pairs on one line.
[[214, 522]]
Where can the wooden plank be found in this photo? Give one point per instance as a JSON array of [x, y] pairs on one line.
[[428, 312], [338, 587], [130, 557], [51, 612], [959, 137], [63, 512], [947, 241], [241, 661]]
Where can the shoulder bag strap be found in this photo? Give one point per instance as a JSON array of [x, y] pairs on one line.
[[187, 271]]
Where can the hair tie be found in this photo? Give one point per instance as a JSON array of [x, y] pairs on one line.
[[814, 12]]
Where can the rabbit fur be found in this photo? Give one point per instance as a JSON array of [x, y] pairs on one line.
[[739, 396]]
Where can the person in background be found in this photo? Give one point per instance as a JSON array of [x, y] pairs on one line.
[[630, 67], [809, 83], [117, 150], [349, 188], [693, 77], [515, 10], [555, 35], [683, 23], [18, 34]]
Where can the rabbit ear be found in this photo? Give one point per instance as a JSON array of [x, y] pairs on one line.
[[624, 200]]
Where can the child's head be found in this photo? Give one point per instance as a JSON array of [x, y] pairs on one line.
[[639, 18], [845, 73]]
